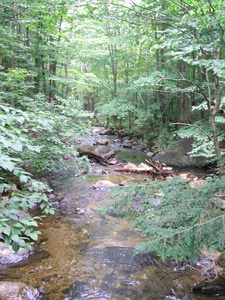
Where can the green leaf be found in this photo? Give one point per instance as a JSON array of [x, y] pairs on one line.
[[34, 236], [17, 146], [29, 222], [24, 178], [6, 164], [15, 247], [4, 220], [34, 148], [4, 186], [15, 237], [7, 230], [8, 240], [18, 225]]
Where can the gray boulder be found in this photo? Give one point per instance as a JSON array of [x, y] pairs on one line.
[[104, 151], [178, 156], [17, 291], [11, 259]]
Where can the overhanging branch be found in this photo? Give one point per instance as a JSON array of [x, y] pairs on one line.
[[193, 125], [185, 80]]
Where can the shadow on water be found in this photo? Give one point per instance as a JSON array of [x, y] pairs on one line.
[[92, 255]]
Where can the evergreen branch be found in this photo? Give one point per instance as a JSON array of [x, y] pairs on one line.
[[189, 228], [7, 6]]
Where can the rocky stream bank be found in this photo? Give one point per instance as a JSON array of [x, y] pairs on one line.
[[84, 254]]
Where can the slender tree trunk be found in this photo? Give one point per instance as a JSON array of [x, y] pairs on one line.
[[217, 145], [114, 67], [184, 102], [214, 107], [129, 117], [53, 66], [38, 60], [52, 82]]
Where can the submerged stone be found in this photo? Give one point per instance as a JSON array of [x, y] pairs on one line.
[[124, 259], [102, 142]]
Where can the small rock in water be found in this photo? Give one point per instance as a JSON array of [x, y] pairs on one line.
[[144, 166], [80, 211], [150, 154], [106, 132], [55, 197], [112, 161], [117, 141], [104, 184], [126, 145], [130, 166], [102, 142], [125, 182]]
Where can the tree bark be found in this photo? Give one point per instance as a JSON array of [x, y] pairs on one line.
[[220, 162]]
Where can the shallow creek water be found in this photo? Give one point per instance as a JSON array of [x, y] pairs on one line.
[[92, 254]]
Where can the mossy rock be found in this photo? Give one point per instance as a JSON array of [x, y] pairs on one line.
[[221, 261], [221, 278], [179, 156]]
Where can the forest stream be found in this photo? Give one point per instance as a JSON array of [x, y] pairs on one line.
[[91, 254]]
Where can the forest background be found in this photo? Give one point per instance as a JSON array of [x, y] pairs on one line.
[[154, 69]]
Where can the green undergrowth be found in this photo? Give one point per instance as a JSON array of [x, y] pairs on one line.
[[34, 141], [177, 220]]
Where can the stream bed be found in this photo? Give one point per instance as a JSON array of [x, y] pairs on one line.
[[91, 254]]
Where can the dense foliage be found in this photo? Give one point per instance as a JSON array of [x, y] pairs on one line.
[[24, 144], [178, 221], [19, 192], [38, 123]]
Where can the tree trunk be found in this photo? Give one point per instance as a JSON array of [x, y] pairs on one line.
[[216, 145], [114, 67], [52, 82], [184, 103], [214, 107]]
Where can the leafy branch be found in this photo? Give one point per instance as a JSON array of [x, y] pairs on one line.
[[193, 125]]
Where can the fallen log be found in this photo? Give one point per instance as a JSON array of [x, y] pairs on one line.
[[157, 169], [132, 170], [92, 155]]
